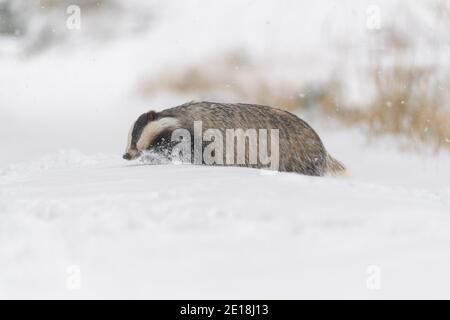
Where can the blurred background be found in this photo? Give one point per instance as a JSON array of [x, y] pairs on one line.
[[371, 77], [75, 74]]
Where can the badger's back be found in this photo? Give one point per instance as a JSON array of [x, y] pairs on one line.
[[300, 148]]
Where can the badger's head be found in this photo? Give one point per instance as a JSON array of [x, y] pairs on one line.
[[144, 131]]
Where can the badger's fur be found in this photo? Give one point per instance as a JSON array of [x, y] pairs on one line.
[[300, 148]]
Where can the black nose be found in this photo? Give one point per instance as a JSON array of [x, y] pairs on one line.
[[127, 156]]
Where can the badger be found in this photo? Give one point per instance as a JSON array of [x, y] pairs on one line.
[[299, 147]]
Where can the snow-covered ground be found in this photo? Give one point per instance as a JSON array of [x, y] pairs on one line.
[[169, 231], [77, 221]]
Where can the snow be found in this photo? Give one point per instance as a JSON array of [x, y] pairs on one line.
[[185, 231], [132, 230]]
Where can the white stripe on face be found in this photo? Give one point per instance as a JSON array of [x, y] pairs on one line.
[[130, 138], [153, 129]]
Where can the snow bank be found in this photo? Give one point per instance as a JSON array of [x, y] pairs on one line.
[[166, 231], [184, 231]]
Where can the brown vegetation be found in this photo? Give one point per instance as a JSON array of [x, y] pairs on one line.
[[233, 75], [409, 98], [408, 101]]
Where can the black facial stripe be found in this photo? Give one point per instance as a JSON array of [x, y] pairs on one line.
[[139, 126]]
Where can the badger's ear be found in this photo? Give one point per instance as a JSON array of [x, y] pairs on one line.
[[151, 115]]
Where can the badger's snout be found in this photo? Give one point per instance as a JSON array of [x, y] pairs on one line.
[[132, 154]]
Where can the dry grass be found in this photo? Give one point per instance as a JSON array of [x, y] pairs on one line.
[[409, 99], [408, 102], [232, 75]]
